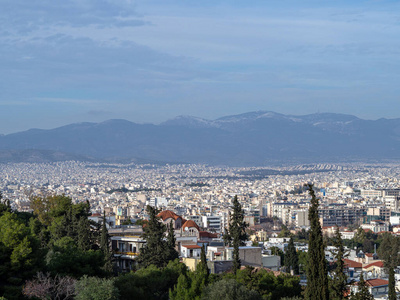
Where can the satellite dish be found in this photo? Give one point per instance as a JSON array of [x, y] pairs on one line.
[[186, 228]]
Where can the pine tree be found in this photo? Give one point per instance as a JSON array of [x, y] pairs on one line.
[[237, 232], [392, 285], [291, 259], [317, 274], [155, 251], [339, 280], [363, 292]]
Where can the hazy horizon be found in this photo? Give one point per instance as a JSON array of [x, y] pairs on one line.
[[192, 116]]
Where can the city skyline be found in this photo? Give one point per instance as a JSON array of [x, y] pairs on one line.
[[148, 62]]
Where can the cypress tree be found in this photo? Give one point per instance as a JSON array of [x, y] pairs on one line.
[[339, 280], [202, 267], [104, 243], [291, 259], [317, 274], [105, 247], [172, 253], [237, 232], [392, 285]]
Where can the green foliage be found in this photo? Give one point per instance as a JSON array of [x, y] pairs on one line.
[[5, 205], [317, 274], [157, 251], [18, 249], [392, 285], [202, 266], [65, 258], [303, 261], [151, 282], [172, 253], [105, 247], [93, 288], [301, 236], [236, 234], [291, 259], [339, 280], [285, 232], [268, 285], [389, 250], [190, 286], [19, 253], [229, 289]]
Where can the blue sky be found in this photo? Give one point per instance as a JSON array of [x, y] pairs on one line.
[[148, 61]]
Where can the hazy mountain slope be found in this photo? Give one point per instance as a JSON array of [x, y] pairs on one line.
[[246, 139]]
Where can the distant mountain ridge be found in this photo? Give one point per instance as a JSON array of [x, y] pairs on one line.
[[253, 138]]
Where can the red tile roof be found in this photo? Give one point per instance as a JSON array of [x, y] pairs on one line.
[[190, 223], [203, 234], [376, 282], [191, 246], [352, 264], [166, 214], [376, 264]]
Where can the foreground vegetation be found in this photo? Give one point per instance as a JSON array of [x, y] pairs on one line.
[[57, 253]]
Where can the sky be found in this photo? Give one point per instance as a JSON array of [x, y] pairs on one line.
[[147, 61]]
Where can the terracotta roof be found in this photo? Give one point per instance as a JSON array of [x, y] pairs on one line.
[[190, 223], [191, 246], [352, 264], [375, 264], [203, 234], [166, 214], [376, 282]]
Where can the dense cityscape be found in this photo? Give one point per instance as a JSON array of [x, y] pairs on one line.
[[197, 200]]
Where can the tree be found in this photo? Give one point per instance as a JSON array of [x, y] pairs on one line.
[[172, 253], [284, 232], [392, 285], [236, 234], [362, 292], [5, 205], [389, 250], [43, 286], [229, 289], [155, 251], [291, 259], [93, 288], [339, 280], [202, 266], [268, 285], [105, 246], [317, 274], [150, 283], [84, 234]]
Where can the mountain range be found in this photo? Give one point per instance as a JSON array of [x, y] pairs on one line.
[[254, 138]]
